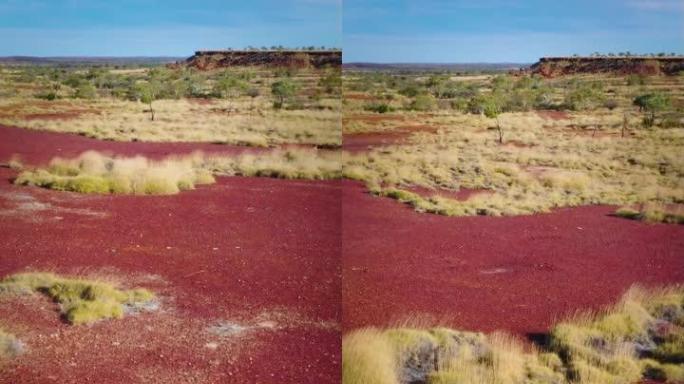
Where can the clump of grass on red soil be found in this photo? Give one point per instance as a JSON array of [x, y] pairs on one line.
[[642, 337], [654, 213], [81, 301], [93, 172], [10, 346]]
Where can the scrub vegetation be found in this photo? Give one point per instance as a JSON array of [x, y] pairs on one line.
[[533, 144], [642, 337], [238, 106], [80, 301], [94, 172]]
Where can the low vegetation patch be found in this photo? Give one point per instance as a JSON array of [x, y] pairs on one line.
[[81, 301], [238, 106], [535, 144], [298, 163], [545, 169], [10, 346], [640, 338], [93, 172], [653, 213]]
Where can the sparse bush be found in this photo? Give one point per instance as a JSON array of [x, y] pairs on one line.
[[633, 80], [49, 96], [584, 97], [85, 91], [651, 103], [423, 103], [378, 107], [610, 104], [283, 90]]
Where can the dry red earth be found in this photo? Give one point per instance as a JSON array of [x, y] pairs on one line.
[[239, 251], [518, 274], [362, 141], [38, 147]]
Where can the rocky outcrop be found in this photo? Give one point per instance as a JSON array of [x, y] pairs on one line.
[[559, 66], [208, 60]]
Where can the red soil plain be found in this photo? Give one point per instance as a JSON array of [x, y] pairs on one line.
[[518, 274], [238, 253]]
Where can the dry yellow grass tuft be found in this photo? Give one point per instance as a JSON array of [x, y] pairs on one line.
[[545, 169], [81, 301], [641, 337], [94, 172], [10, 346], [183, 120]]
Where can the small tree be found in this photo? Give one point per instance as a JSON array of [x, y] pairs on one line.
[[651, 103], [282, 90], [492, 109], [148, 93], [253, 93], [229, 87], [85, 91], [423, 103]]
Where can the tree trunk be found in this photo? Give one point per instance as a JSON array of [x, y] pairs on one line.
[[498, 128], [151, 112]]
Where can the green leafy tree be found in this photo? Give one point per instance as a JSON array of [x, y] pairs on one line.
[[491, 106], [148, 92], [85, 91], [282, 90], [423, 103], [652, 103], [331, 82], [230, 87]]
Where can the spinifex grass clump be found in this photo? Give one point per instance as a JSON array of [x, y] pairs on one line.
[[442, 356], [81, 301], [300, 163], [93, 172], [10, 346], [640, 338], [654, 213]]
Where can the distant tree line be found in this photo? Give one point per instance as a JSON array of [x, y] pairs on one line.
[[629, 54]]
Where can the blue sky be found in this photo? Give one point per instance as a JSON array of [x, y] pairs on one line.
[[443, 31], [162, 27]]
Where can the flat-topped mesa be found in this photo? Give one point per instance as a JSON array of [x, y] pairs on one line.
[[621, 65], [213, 59]]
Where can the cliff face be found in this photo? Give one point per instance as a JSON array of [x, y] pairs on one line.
[[559, 66], [207, 60]]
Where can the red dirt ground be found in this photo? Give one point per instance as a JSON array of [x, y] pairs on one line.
[[241, 250], [359, 96], [482, 273], [38, 147], [553, 115], [359, 142]]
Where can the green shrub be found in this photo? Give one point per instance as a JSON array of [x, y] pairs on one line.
[[378, 107], [423, 103]]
